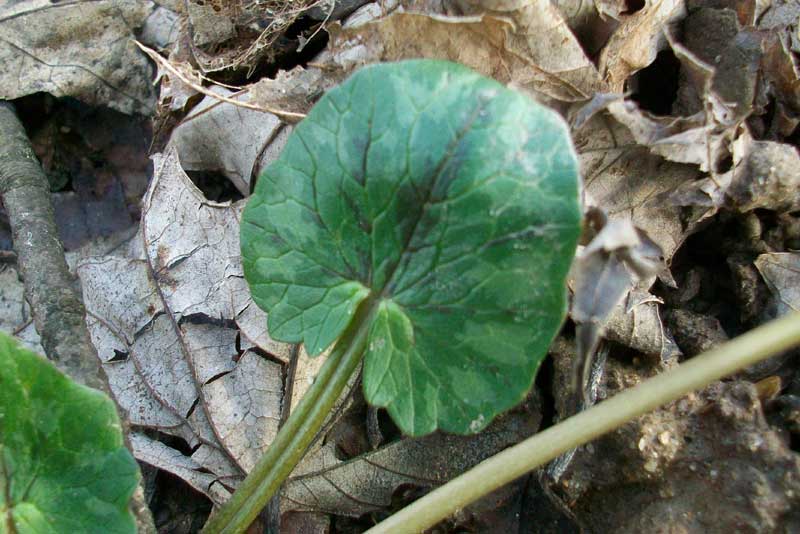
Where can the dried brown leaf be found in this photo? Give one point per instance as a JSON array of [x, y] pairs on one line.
[[768, 176], [765, 175], [782, 73], [542, 37], [607, 270], [220, 137], [162, 314], [245, 408], [326, 484], [680, 139], [636, 322], [781, 272], [638, 39], [78, 49], [494, 45], [626, 181]]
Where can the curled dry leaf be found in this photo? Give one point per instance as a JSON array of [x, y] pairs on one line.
[[534, 52], [715, 122], [608, 267], [780, 65], [679, 139], [706, 193], [628, 182], [636, 322], [638, 39], [541, 36], [768, 176], [158, 455], [176, 89], [78, 49], [605, 272], [731, 60], [703, 138], [765, 175], [221, 137], [366, 483], [781, 272], [163, 316]]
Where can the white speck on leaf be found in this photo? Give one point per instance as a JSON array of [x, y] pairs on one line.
[[476, 424]]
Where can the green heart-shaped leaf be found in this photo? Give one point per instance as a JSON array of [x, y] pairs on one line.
[[63, 466], [449, 200]]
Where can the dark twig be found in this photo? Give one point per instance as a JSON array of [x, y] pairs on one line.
[[57, 308]]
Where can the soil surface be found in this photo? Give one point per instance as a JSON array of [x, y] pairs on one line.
[[685, 115]]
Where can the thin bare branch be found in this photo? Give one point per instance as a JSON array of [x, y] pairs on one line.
[[192, 80]]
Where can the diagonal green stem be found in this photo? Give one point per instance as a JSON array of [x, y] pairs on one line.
[[296, 435], [502, 468]]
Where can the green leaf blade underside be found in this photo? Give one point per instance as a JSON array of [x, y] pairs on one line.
[[455, 203], [63, 464]]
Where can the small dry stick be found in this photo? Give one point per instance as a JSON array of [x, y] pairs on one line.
[[192, 79], [58, 311]]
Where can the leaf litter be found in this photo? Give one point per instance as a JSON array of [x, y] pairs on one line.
[[76, 49], [188, 352], [163, 316]]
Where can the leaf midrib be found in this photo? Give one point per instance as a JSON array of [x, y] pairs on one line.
[[388, 286]]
